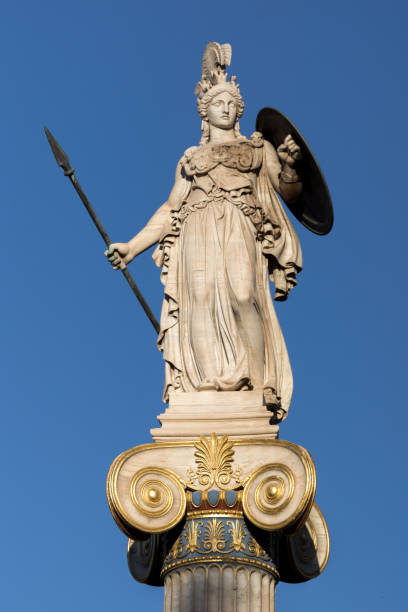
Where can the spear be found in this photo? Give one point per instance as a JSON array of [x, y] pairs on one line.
[[63, 161]]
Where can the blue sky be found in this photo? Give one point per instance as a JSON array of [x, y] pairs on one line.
[[81, 376]]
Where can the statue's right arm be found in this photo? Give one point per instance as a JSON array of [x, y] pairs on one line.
[[122, 253]]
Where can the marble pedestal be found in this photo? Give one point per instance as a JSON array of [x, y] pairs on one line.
[[218, 516], [237, 414]]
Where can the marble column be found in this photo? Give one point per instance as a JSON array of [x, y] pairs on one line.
[[212, 588]]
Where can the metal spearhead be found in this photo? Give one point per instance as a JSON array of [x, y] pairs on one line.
[[59, 154]]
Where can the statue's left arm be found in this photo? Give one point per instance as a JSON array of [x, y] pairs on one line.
[[281, 166]]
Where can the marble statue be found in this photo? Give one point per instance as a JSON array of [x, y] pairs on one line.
[[221, 236], [218, 509]]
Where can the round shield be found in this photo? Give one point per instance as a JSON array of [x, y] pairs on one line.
[[313, 208]]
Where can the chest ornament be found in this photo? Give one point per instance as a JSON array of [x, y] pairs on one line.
[[245, 156]]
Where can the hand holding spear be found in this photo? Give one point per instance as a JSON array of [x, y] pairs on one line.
[[63, 161]]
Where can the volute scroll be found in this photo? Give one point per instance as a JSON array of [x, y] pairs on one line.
[[150, 500], [279, 495]]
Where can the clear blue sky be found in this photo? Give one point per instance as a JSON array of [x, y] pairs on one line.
[[81, 377]]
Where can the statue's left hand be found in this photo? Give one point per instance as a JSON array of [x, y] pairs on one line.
[[289, 152]]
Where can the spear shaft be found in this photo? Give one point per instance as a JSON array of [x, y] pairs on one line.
[[63, 161]]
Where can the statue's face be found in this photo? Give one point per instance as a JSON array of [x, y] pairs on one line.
[[222, 111]]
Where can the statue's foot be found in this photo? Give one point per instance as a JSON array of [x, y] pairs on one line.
[[207, 385]]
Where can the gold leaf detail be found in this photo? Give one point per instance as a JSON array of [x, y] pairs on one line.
[[214, 457], [237, 475], [177, 548], [191, 476], [193, 533], [237, 534], [214, 536], [255, 548]]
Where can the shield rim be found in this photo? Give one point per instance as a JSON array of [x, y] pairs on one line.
[[317, 227]]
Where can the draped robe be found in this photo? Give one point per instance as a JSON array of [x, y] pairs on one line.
[[224, 241]]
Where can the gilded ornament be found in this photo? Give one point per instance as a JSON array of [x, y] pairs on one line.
[[214, 536], [177, 548], [255, 548], [193, 534], [274, 493], [214, 457], [278, 497], [155, 500], [269, 492], [229, 539], [152, 497], [237, 534]]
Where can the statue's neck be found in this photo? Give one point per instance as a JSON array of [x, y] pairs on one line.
[[220, 135]]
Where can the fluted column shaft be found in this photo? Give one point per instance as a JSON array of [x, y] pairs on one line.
[[219, 588]]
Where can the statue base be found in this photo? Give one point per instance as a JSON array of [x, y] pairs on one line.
[[218, 509], [237, 414]]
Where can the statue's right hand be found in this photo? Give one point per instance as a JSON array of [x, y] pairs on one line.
[[119, 255]]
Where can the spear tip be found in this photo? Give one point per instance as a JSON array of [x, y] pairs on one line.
[[60, 156]]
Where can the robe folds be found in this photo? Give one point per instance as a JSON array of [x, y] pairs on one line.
[[227, 239]]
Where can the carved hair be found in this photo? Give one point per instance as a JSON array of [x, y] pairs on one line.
[[204, 102]]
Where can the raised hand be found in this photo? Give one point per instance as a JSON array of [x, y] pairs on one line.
[[289, 152]]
